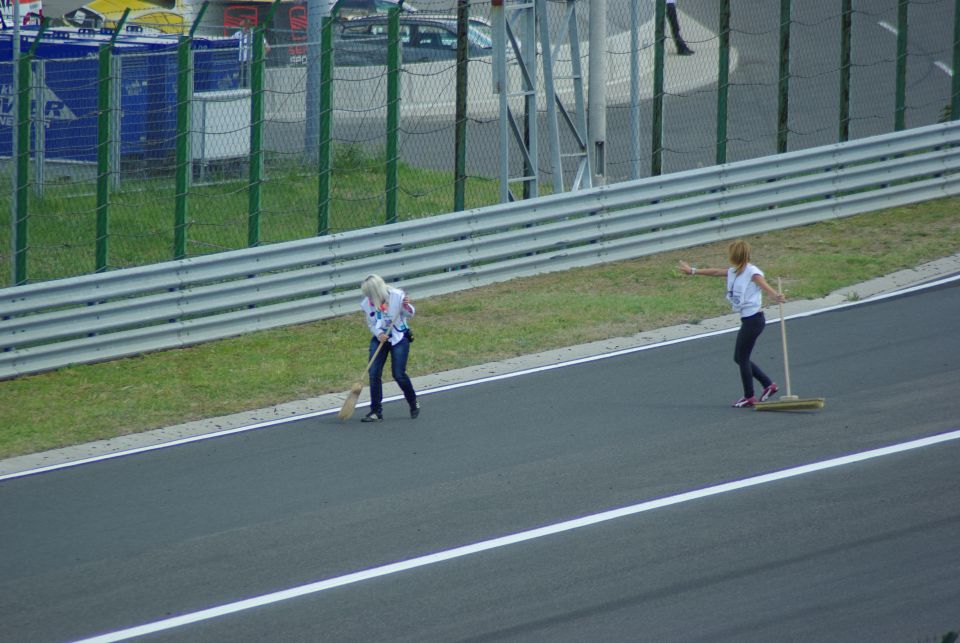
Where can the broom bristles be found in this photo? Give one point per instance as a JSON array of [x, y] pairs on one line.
[[795, 404], [349, 404]]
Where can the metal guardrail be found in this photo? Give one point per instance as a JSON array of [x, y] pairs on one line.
[[127, 312]]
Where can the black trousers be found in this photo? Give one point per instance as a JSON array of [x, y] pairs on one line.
[[750, 329]]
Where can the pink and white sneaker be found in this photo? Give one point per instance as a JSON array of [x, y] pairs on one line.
[[745, 402], [768, 391]]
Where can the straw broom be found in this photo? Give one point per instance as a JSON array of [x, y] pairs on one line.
[[349, 404], [788, 402]]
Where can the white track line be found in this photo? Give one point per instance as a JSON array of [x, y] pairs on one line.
[[944, 67], [450, 387], [513, 539], [888, 27]]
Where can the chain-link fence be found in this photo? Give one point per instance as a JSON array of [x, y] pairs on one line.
[[259, 132]]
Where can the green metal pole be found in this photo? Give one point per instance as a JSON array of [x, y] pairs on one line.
[[900, 120], [460, 134], [104, 107], [393, 110], [22, 134], [955, 80], [326, 117], [104, 137], [783, 98], [656, 138], [183, 166], [723, 81], [184, 91], [255, 197], [846, 23], [23, 168]]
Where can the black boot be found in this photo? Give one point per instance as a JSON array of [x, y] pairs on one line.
[[682, 48]]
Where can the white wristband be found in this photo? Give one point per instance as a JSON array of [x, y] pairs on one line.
[[693, 271]]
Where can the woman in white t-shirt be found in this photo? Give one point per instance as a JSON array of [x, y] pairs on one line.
[[745, 286], [386, 310]]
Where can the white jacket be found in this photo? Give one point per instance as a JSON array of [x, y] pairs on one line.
[[379, 319]]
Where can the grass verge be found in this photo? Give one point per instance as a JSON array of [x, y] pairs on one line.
[[90, 402]]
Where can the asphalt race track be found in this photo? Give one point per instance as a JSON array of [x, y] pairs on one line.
[[862, 546]]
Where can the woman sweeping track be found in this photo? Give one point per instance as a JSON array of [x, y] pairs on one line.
[[745, 287], [387, 310]]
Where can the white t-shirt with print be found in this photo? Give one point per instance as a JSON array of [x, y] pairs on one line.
[[743, 292]]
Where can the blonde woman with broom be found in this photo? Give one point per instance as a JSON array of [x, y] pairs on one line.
[[745, 287], [386, 310]]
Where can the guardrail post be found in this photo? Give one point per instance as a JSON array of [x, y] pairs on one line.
[[723, 81], [656, 138], [900, 120], [846, 22], [783, 97], [393, 110]]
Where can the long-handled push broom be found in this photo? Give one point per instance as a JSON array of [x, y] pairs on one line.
[[788, 402], [349, 404]]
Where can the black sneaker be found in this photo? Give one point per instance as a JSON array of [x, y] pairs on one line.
[[372, 416], [415, 409]]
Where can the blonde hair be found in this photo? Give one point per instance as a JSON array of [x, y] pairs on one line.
[[375, 289], [739, 253]]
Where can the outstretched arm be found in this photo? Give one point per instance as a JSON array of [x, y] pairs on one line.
[[710, 272]]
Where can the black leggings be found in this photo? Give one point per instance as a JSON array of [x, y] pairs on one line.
[[750, 329]]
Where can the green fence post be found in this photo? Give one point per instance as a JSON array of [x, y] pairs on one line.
[[900, 120], [22, 199], [393, 110], [184, 91], [326, 117], [723, 81], [22, 165], [104, 138], [255, 199], [104, 107], [955, 79], [460, 125], [656, 138], [846, 22], [783, 98], [184, 168]]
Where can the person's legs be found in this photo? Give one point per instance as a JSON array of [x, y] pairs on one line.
[[398, 368], [674, 21], [750, 329], [376, 375]]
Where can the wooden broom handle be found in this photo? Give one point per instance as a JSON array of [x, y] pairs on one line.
[[377, 352], [783, 338]]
